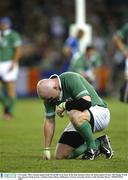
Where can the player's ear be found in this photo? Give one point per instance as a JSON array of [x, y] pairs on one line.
[[55, 88]]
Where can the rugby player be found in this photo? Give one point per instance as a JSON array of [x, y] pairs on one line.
[[87, 112], [10, 52]]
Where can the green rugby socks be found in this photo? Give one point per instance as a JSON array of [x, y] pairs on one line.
[[86, 132], [81, 149], [2, 97], [10, 104]]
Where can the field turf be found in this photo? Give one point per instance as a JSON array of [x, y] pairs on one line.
[[21, 142]]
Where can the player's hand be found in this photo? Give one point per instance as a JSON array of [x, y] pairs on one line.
[[125, 52], [60, 109], [13, 64], [47, 153]]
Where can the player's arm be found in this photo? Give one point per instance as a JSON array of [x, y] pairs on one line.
[[81, 99], [120, 44], [49, 128], [78, 104], [119, 37], [16, 44], [17, 54]]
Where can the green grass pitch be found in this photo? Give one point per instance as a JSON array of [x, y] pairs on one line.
[[21, 142]]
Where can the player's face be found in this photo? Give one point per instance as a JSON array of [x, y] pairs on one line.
[[4, 26], [53, 96], [90, 53]]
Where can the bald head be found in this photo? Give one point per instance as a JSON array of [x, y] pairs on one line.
[[48, 88]]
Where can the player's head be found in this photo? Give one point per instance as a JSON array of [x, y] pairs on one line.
[[80, 33], [67, 52], [5, 23], [48, 89], [89, 51]]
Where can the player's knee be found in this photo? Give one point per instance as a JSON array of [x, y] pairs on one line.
[[62, 151], [60, 156], [57, 157]]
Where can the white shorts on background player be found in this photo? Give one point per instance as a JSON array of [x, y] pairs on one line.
[[7, 75], [101, 117]]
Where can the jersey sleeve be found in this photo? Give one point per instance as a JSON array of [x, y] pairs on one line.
[[16, 40], [71, 42], [123, 32], [49, 109], [97, 60]]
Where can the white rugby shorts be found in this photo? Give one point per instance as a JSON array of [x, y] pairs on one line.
[[7, 75], [101, 117]]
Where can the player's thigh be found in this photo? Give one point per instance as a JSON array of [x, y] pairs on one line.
[[79, 117]]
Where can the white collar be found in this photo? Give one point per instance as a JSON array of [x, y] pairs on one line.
[[6, 32], [55, 75]]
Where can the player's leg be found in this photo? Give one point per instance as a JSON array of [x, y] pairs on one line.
[[2, 93], [81, 121], [124, 86], [83, 148], [62, 151], [124, 91], [11, 97], [71, 144], [10, 78], [69, 140], [101, 121], [102, 142]]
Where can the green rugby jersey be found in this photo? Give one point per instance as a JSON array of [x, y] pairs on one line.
[[74, 86], [8, 42], [79, 63], [123, 32]]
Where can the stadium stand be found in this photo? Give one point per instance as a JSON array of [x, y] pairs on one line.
[[44, 27]]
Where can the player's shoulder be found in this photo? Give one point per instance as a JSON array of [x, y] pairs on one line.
[[71, 40], [123, 31], [69, 75], [77, 55], [14, 33], [125, 26]]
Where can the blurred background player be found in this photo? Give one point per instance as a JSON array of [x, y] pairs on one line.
[[72, 44], [10, 52], [86, 63], [71, 47], [119, 39]]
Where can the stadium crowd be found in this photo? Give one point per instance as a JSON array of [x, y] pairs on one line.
[[44, 27]]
